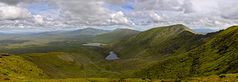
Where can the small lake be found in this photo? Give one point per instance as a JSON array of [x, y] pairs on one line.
[[112, 56], [94, 44]]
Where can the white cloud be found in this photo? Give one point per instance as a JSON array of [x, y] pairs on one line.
[[39, 19], [155, 17], [194, 13], [119, 18], [8, 12]]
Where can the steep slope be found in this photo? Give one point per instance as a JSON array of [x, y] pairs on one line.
[[17, 68], [149, 47], [217, 56], [115, 35], [159, 41]]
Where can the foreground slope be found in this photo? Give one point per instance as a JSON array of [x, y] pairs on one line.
[[67, 59], [17, 68], [217, 56]]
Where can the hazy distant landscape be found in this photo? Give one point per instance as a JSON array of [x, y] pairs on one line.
[[118, 41]]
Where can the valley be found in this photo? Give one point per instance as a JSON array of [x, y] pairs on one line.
[[168, 53]]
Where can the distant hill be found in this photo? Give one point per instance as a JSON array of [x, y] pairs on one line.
[[115, 36], [217, 56], [203, 31], [87, 31], [84, 31]]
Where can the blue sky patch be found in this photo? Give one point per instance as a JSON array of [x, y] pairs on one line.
[[126, 7], [38, 8]]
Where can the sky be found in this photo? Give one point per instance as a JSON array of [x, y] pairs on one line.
[[33, 15]]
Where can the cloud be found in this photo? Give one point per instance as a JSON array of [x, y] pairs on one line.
[[135, 13], [229, 9], [119, 18], [39, 19], [9, 12]]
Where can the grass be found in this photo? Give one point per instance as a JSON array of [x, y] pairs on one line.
[[69, 65], [171, 53], [217, 56], [15, 67], [89, 80], [212, 78], [215, 78]]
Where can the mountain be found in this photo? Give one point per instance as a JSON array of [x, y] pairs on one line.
[[87, 31], [148, 47], [159, 41], [82, 35], [169, 52], [115, 36], [217, 56], [135, 52], [17, 68]]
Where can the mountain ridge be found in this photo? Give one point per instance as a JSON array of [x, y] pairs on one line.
[[216, 56], [158, 37]]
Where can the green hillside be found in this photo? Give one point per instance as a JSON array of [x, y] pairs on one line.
[[17, 68], [169, 52], [115, 36], [217, 56], [67, 59], [148, 47], [159, 41], [71, 65]]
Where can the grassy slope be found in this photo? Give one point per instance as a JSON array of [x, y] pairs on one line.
[[163, 40], [115, 35], [49, 58], [68, 59], [215, 78], [217, 56], [17, 68], [70, 65], [154, 45]]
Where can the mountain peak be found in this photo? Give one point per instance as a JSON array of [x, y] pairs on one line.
[[171, 30], [180, 27]]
